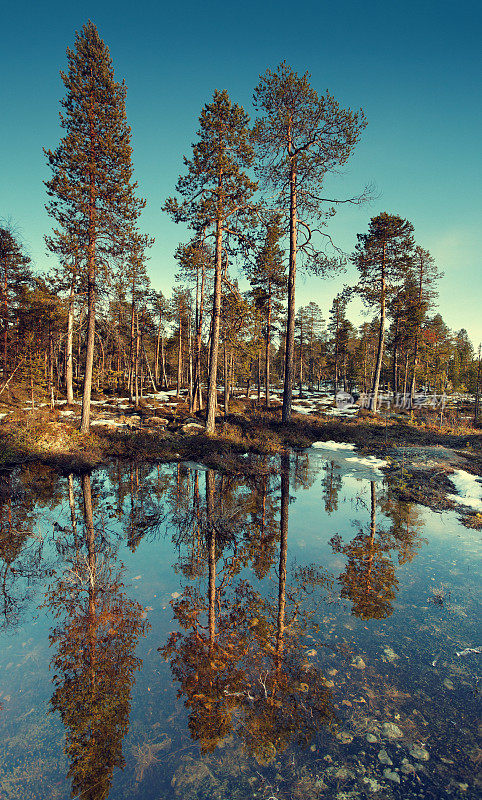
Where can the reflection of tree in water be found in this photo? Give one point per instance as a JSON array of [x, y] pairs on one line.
[[369, 579], [95, 638], [239, 658], [331, 485], [21, 552]]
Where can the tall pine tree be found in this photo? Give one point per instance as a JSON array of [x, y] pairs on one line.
[[92, 192]]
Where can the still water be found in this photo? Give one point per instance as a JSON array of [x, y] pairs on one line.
[[172, 632]]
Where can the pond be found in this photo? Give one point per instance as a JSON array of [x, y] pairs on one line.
[[293, 632]]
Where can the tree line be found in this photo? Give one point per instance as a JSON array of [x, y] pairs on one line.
[[252, 196]]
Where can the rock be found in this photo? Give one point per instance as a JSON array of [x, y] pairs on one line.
[[391, 776], [407, 768], [419, 752], [311, 653], [391, 731], [371, 738], [384, 758], [390, 655], [358, 663], [344, 774], [372, 785], [192, 427], [154, 421], [449, 685], [344, 737]]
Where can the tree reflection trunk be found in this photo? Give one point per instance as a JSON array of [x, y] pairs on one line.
[[210, 487], [285, 499]]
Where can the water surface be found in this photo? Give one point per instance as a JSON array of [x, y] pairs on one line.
[[172, 632]]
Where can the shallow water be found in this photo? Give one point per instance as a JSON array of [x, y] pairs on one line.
[[170, 632]]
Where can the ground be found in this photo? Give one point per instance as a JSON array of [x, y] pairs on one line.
[[421, 453]]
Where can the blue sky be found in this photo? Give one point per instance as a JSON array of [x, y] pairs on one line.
[[414, 68]]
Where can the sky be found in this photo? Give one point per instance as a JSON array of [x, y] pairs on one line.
[[413, 66]]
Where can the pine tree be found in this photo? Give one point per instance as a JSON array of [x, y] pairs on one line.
[[301, 137], [267, 277], [217, 195], [382, 256], [14, 275], [91, 189]]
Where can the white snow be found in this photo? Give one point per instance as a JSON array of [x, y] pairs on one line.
[[302, 409], [469, 488], [369, 461], [333, 445]]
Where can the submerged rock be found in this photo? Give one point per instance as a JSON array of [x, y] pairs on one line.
[[384, 758], [344, 737], [358, 663], [391, 731], [372, 784], [390, 655], [419, 752], [391, 776]]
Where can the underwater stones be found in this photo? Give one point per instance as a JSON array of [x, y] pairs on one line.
[[391, 731], [358, 663], [448, 684], [390, 655], [419, 752], [384, 758], [407, 768], [344, 774], [344, 737], [391, 776], [371, 738], [311, 653], [372, 784]]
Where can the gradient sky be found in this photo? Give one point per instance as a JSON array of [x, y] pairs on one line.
[[414, 67]]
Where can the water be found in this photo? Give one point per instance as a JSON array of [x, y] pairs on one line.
[[170, 632]]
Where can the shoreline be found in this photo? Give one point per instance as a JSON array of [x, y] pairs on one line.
[[420, 457]]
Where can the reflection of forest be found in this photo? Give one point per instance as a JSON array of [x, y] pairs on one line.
[[240, 654], [238, 657], [96, 633], [369, 580]]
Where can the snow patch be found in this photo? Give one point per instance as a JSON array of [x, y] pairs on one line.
[[333, 445], [469, 488], [369, 461]]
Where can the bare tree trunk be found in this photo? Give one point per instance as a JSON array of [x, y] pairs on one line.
[[190, 371], [179, 357], [381, 336], [131, 351], [268, 349], [290, 326], [213, 355], [136, 363], [89, 356], [68, 345]]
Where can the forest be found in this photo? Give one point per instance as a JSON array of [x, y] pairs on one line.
[[239, 519], [251, 199]]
